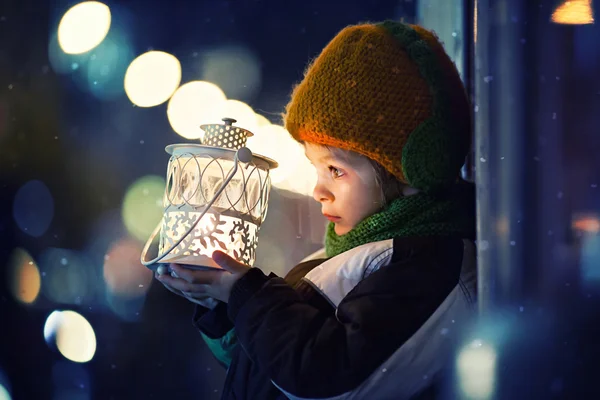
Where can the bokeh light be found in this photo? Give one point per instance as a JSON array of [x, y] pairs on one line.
[[241, 112], [104, 72], [127, 280], [107, 229], [4, 387], [61, 62], [275, 142], [589, 223], [100, 72], [476, 368], [235, 69], [261, 121], [301, 176], [193, 104], [4, 393], [574, 12], [68, 277], [126, 308], [304, 178], [294, 172], [24, 278], [590, 259], [124, 274], [72, 334], [51, 326], [152, 78], [33, 208], [83, 27], [142, 207], [587, 227]]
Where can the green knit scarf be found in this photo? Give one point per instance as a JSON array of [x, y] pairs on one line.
[[449, 214]]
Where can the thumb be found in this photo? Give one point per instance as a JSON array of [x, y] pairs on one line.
[[228, 263]]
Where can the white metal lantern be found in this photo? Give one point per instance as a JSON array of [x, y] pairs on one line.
[[215, 199]]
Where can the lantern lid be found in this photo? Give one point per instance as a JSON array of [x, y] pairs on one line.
[[225, 135], [221, 141], [217, 152]]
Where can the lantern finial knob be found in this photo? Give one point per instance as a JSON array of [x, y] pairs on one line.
[[229, 121]]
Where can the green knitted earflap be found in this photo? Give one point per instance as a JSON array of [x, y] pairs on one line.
[[435, 150]]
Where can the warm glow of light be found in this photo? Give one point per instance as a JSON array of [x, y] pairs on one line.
[[294, 172], [275, 142], [302, 179], [142, 206], [574, 12], [589, 224], [198, 248], [24, 279], [152, 78], [242, 113], [74, 336], [83, 27], [476, 367], [194, 104], [261, 121], [123, 272], [206, 225]]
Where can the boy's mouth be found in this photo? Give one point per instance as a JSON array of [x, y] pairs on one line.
[[332, 218]]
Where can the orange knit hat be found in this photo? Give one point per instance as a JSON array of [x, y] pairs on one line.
[[390, 92]]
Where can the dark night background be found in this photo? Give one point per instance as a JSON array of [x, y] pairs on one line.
[[89, 147]]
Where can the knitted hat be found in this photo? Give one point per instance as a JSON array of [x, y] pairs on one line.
[[390, 92]]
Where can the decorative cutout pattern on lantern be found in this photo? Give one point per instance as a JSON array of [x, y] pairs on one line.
[[215, 199]]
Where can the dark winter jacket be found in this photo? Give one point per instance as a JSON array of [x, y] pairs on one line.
[[375, 322]]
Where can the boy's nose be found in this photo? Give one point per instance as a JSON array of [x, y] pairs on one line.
[[321, 194]]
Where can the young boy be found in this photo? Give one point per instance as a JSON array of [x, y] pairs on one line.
[[385, 120]]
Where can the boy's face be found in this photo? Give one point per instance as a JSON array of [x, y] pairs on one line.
[[346, 187]]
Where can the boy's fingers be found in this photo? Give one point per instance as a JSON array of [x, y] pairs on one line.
[[182, 285], [196, 277], [228, 263]]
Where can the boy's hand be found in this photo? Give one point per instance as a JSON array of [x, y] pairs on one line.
[[204, 301], [194, 284]]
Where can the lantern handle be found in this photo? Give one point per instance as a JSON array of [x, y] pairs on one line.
[[244, 155]]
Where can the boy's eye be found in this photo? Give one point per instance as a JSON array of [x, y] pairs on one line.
[[335, 173]]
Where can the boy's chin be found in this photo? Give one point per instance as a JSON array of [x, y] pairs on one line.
[[341, 229]]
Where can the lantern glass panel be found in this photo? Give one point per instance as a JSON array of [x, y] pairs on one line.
[[230, 224]]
